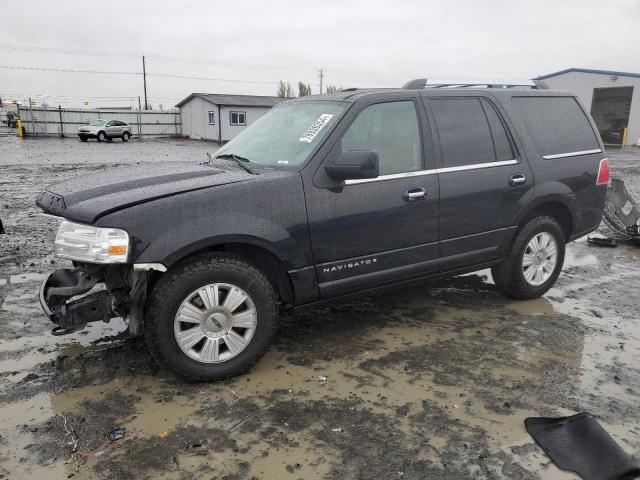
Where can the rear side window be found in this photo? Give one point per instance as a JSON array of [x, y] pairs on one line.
[[557, 124], [500, 138], [470, 132]]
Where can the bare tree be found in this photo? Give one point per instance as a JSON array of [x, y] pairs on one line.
[[284, 89], [333, 89], [304, 90]]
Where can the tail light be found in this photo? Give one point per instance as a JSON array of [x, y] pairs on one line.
[[603, 172]]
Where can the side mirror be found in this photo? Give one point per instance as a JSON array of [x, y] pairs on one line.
[[354, 165]]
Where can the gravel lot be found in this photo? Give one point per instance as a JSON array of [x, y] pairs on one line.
[[429, 382]]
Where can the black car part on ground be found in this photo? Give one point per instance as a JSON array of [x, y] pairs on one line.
[[621, 212], [580, 444]]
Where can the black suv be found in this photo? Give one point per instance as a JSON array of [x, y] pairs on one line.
[[323, 198]]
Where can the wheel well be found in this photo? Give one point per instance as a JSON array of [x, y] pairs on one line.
[[556, 210], [265, 261]]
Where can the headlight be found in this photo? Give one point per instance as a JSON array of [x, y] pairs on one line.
[[91, 244]]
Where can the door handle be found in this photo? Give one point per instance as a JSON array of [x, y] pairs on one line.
[[414, 194], [517, 180]]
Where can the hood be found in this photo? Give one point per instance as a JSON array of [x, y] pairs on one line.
[[87, 198]]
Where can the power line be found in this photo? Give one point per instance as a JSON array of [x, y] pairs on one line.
[[125, 54], [168, 58], [66, 70], [166, 75], [189, 77]]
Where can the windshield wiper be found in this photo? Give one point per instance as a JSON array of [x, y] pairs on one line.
[[238, 159]]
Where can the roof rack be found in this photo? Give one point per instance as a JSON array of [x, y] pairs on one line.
[[424, 83]]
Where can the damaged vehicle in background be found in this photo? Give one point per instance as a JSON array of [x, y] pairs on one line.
[[321, 199]]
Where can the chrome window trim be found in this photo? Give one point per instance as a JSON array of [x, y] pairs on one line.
[[571, 154], [477, 166], [420, 173], [391, 176]]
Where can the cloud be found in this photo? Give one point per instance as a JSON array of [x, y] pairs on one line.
[[368, 43]]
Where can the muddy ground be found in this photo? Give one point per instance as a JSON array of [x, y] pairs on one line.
[[429, 382]]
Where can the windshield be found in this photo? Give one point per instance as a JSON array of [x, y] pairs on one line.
[[97, 123], [287, 134]]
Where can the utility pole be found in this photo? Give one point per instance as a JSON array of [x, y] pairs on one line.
[[139, 119], [321, 75], [61, 124], [144, 79]]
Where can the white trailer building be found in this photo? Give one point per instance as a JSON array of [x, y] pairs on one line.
[[613, 98], [221, 117]]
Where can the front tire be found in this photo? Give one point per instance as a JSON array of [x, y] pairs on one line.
[[535, 260], [101, 137], [211, 318], [83, 139], [125, 136]]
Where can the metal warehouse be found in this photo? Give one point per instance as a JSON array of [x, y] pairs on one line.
[[613, 98], [220, 117]]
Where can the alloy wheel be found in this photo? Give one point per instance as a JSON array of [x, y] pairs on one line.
[[215, 322], [539, 259]]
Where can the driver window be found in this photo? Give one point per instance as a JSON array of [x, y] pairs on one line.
[[109, 124], [390, 129]]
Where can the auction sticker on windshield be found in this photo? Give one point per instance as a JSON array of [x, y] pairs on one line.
[[314, 129]]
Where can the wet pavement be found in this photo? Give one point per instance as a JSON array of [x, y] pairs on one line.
[[434, 381]]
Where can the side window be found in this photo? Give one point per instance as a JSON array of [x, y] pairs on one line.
[[109, 124], [212, 118], [557, 124], [390, 129], [463, 129], [501, 142], [237, 118]]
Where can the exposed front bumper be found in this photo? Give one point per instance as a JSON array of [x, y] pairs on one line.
[[73, 297], [87, 135]]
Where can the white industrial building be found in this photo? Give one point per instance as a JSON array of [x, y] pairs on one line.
[[220, 117], [612, 98]]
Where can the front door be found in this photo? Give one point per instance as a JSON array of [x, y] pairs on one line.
[[375, 231], [484, 183]]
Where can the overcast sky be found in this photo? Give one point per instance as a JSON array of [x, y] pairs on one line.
[[373, 43]]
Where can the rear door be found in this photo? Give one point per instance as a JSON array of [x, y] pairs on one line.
[[377, 231], [483, 181], [110, 129]]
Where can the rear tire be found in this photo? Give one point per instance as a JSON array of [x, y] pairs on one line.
[[101, 137], [125, 136], [199, 336], [535, 260]]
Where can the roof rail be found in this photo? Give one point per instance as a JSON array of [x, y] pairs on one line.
[[423, 83]]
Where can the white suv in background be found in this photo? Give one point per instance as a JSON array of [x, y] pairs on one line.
[[102, 130]]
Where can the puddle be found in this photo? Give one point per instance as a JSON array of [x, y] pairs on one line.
[[633, 253], [23, 278], [537, 306], [573, 259], [428, 381]]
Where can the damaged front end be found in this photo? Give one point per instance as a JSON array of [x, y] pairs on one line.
[[73, 297]]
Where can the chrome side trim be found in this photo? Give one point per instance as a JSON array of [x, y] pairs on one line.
[[149, 266], [476, 166], [420, 173], [392, 176], [571, 154]]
